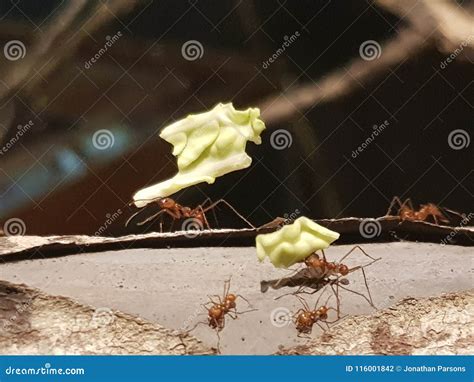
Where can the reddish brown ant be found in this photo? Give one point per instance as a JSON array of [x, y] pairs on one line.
[[217, 310], [406, 211], [322, 269], [305, 318], [177, 212]]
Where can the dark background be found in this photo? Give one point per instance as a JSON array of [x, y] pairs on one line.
[[56, 182]]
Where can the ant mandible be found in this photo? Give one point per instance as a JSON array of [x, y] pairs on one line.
[[177, 212]]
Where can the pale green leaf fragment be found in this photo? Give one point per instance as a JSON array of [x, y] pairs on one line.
[[294, 242], [207, 145], [201, 139]]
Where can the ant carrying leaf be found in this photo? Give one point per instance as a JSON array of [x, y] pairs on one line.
[[322, 272], [179, 212]]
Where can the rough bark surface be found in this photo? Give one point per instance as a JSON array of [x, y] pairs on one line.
[[16, 248], [32, 322], [437, 325]]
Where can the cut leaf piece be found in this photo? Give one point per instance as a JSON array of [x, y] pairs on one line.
[[207, 145], [294, 242]]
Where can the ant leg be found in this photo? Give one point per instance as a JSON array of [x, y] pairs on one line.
[[408, 203], [152, 217], [243, 298], [304, 303], [303, 335], [218, 345], [298, 291], [213, 205], [233, 314], [325, 303], [367, 287], [322, 327], [246, 311], [202, 213], [458, 214], [397, 200], [319, 297], [359, 294], [353, 249], [195, 326], [369, 300], [131, 217], [211, 300], [161, 223], [338, 300], [324, 255], [226, 288], [203, 205]]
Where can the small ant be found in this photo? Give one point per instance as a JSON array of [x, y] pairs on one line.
[[218, 310], [177, 212], [406, 211], [305, 318]]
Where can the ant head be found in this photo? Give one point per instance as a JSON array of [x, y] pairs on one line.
[[304, 322], [305, 318], [215, 312], [343, 269], [313, 261], [166, 203], [231, 297]]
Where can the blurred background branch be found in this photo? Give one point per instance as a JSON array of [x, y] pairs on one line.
[[116, 70]]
